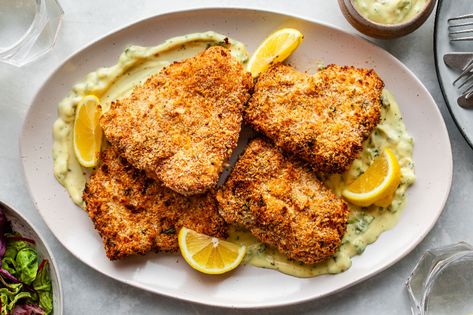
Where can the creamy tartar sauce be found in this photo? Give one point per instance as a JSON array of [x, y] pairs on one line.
[[364, 224], [389, 11], [137, 63], [134, 65]]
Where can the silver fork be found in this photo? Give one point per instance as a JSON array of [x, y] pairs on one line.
[[465, 83], [460, 26]]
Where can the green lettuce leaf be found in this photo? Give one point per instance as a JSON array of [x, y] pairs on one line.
[[19, 296], [10, 286], [9, 265], [16, 244], [9, 258], [42, 285], [7, 295], [4, 301], [26, 264]]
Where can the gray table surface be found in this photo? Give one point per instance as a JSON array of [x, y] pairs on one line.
[[88, 292]]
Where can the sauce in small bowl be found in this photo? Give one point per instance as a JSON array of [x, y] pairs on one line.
[[386, 18], [389, 11]]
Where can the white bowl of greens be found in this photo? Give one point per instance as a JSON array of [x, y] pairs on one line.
[[29, 280]]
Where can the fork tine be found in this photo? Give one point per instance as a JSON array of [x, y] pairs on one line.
[[467, 65], [468, 93], [468, 79], [461, 17], [461, 32], [459, 39], [460, 24], [466, 71]]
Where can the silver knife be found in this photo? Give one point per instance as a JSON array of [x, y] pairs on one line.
[[457, 60]]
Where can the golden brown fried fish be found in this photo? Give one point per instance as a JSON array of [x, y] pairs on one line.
[[135, 214], [182, 124], [283, 204], [323, 118]]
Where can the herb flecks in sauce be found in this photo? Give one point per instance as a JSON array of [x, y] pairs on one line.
[[135, 64], [389, 11], [364, 224]]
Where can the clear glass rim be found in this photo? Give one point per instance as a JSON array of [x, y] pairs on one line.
[[39, 10]]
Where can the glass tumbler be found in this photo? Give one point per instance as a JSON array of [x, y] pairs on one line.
[[442, 281], [28, 29]]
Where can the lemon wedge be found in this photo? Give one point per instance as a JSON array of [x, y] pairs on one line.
[[275, 48], [209, 254], [378, 184], [87, 136]]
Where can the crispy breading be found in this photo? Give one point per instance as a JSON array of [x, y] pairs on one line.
[[135, 214], [182, 124], [322, 118], [282, 203]]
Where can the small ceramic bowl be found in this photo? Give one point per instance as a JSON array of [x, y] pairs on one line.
[[383, 31], [20, 224]]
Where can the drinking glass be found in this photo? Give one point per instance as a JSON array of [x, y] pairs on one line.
[[28, 29], [442, 281]]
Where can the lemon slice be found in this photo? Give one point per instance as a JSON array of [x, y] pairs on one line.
[[87, 136], [209, 254], [275, 48], [377, 184]]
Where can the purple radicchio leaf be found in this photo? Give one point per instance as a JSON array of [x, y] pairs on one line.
[[27, 309], [6, 275], [3, 248]]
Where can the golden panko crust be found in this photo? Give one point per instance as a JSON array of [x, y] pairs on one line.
[[282, 203], [182, 124], [136, 215], [322, 118]]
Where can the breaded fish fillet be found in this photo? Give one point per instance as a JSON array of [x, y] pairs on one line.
[[322, 118], [135, 214], [281, 202], [182, 124]]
